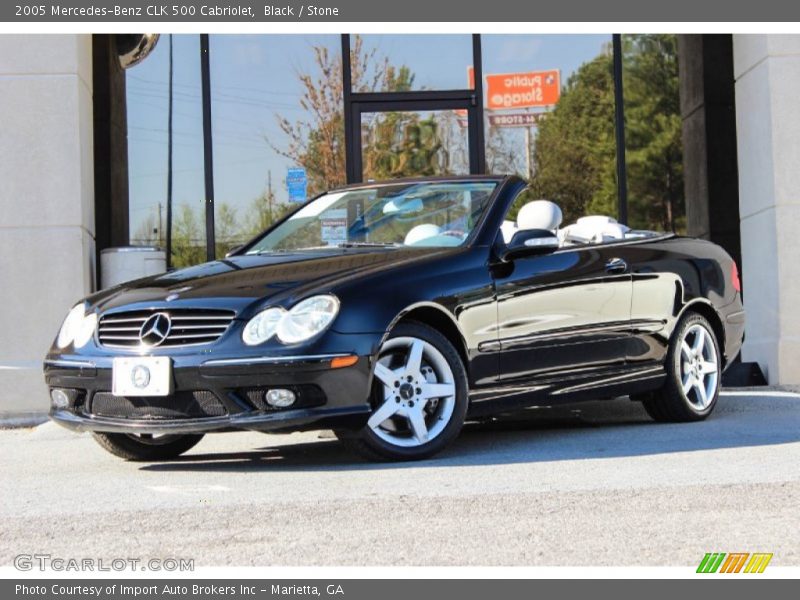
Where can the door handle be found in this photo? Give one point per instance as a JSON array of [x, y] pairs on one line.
[[616, 265]]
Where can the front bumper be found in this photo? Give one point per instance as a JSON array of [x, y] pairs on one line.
[[340, 398], [311, 418]]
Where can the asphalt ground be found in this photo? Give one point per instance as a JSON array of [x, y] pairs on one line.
[[590, 484]]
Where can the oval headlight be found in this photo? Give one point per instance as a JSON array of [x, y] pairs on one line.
[[307, 318], [71, 325], [85, 330], [262, 327]]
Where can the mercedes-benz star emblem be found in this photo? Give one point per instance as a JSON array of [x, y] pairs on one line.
[[155, 329], [140, 376]]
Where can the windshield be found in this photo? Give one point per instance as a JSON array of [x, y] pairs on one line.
[[409, 214]]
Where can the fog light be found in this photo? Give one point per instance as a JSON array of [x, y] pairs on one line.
[[280, 398], [59, 399]]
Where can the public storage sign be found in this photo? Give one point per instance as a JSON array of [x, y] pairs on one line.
[[523, 90]]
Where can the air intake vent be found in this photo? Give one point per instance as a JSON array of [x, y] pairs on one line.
[[165, 328], [181, 405]]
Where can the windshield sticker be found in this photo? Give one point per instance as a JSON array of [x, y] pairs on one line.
[[334, 226]]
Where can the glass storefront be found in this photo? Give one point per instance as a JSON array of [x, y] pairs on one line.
[[147, 87], [406, 144], [284, 129], [412, 62], [653, 146]]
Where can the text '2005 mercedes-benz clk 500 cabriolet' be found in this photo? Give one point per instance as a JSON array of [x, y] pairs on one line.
[[393, 312]]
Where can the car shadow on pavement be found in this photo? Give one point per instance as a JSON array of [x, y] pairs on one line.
[[616, 428]]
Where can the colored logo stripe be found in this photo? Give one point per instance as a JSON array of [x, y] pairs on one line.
[[734, 562], [711, 562], [758, 563]]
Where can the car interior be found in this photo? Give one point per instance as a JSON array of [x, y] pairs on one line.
[[593, 229]]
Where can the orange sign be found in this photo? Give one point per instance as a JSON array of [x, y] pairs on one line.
[[523, 90]]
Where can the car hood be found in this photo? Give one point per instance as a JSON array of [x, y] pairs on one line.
[[237, 282]]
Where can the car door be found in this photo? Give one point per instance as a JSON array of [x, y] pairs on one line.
[[566, 311]]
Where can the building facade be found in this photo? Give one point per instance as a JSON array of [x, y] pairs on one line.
[[84, 144]]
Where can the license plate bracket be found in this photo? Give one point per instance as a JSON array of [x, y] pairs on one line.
[[142, 376]]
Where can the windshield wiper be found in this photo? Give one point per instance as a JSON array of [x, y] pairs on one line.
[[368, 245]]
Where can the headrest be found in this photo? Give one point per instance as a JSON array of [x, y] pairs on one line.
[[508, 228], [420, 232], [539, 214], [596, 220], [594, 229]]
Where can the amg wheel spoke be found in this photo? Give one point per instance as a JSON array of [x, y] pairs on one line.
[[385, 375], [699, 342], [386, 410], [700, 389], [708, 367], [438, 390], [414, 362], [416, 419], [686, 352], [688, 382]]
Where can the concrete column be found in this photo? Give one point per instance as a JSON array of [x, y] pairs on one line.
[[46, 204], [767, 71], [709, 139]]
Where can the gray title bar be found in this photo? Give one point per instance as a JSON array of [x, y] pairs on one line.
[[407, 10]]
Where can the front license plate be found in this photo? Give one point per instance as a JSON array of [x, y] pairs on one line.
[[142, 376]]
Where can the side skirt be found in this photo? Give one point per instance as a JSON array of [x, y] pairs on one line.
[[598, 385]]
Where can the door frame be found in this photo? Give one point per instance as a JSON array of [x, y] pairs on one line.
[[356, 104]]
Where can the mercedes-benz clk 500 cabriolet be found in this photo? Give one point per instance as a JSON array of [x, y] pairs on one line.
[[393, 312]]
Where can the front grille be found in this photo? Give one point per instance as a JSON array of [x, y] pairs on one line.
[[181, 405], [190, 326]]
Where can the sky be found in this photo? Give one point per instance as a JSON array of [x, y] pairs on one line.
[[254, 79]]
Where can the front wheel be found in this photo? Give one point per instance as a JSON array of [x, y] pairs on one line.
[[694, 369], [146, 447], [419, 400]]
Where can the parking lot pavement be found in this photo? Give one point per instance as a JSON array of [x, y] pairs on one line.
[[591, 484]]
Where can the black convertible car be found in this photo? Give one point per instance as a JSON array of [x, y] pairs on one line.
[[391, 313]]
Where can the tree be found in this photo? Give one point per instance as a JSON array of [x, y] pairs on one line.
[[227, 233], [653, 132], [188, 241], [396, 144], [575, 151]]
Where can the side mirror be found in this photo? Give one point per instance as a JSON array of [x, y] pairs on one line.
[[528, 242]]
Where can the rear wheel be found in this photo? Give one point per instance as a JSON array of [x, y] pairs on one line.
[[145, 446], [694, 369], [419, 400]]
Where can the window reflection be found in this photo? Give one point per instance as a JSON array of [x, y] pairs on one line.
[[276, 105], [653, 132], [562, 140], [420, 61], [147, 86]]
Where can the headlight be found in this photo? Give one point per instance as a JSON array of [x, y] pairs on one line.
[[85, 330], [307, 318], [71, 326], [262, 327]]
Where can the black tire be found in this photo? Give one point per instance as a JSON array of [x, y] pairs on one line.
[[670, 404], [372, 447], [130, 448]]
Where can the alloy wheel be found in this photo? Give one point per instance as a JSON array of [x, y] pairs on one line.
[[698, 366], [418, 393]]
